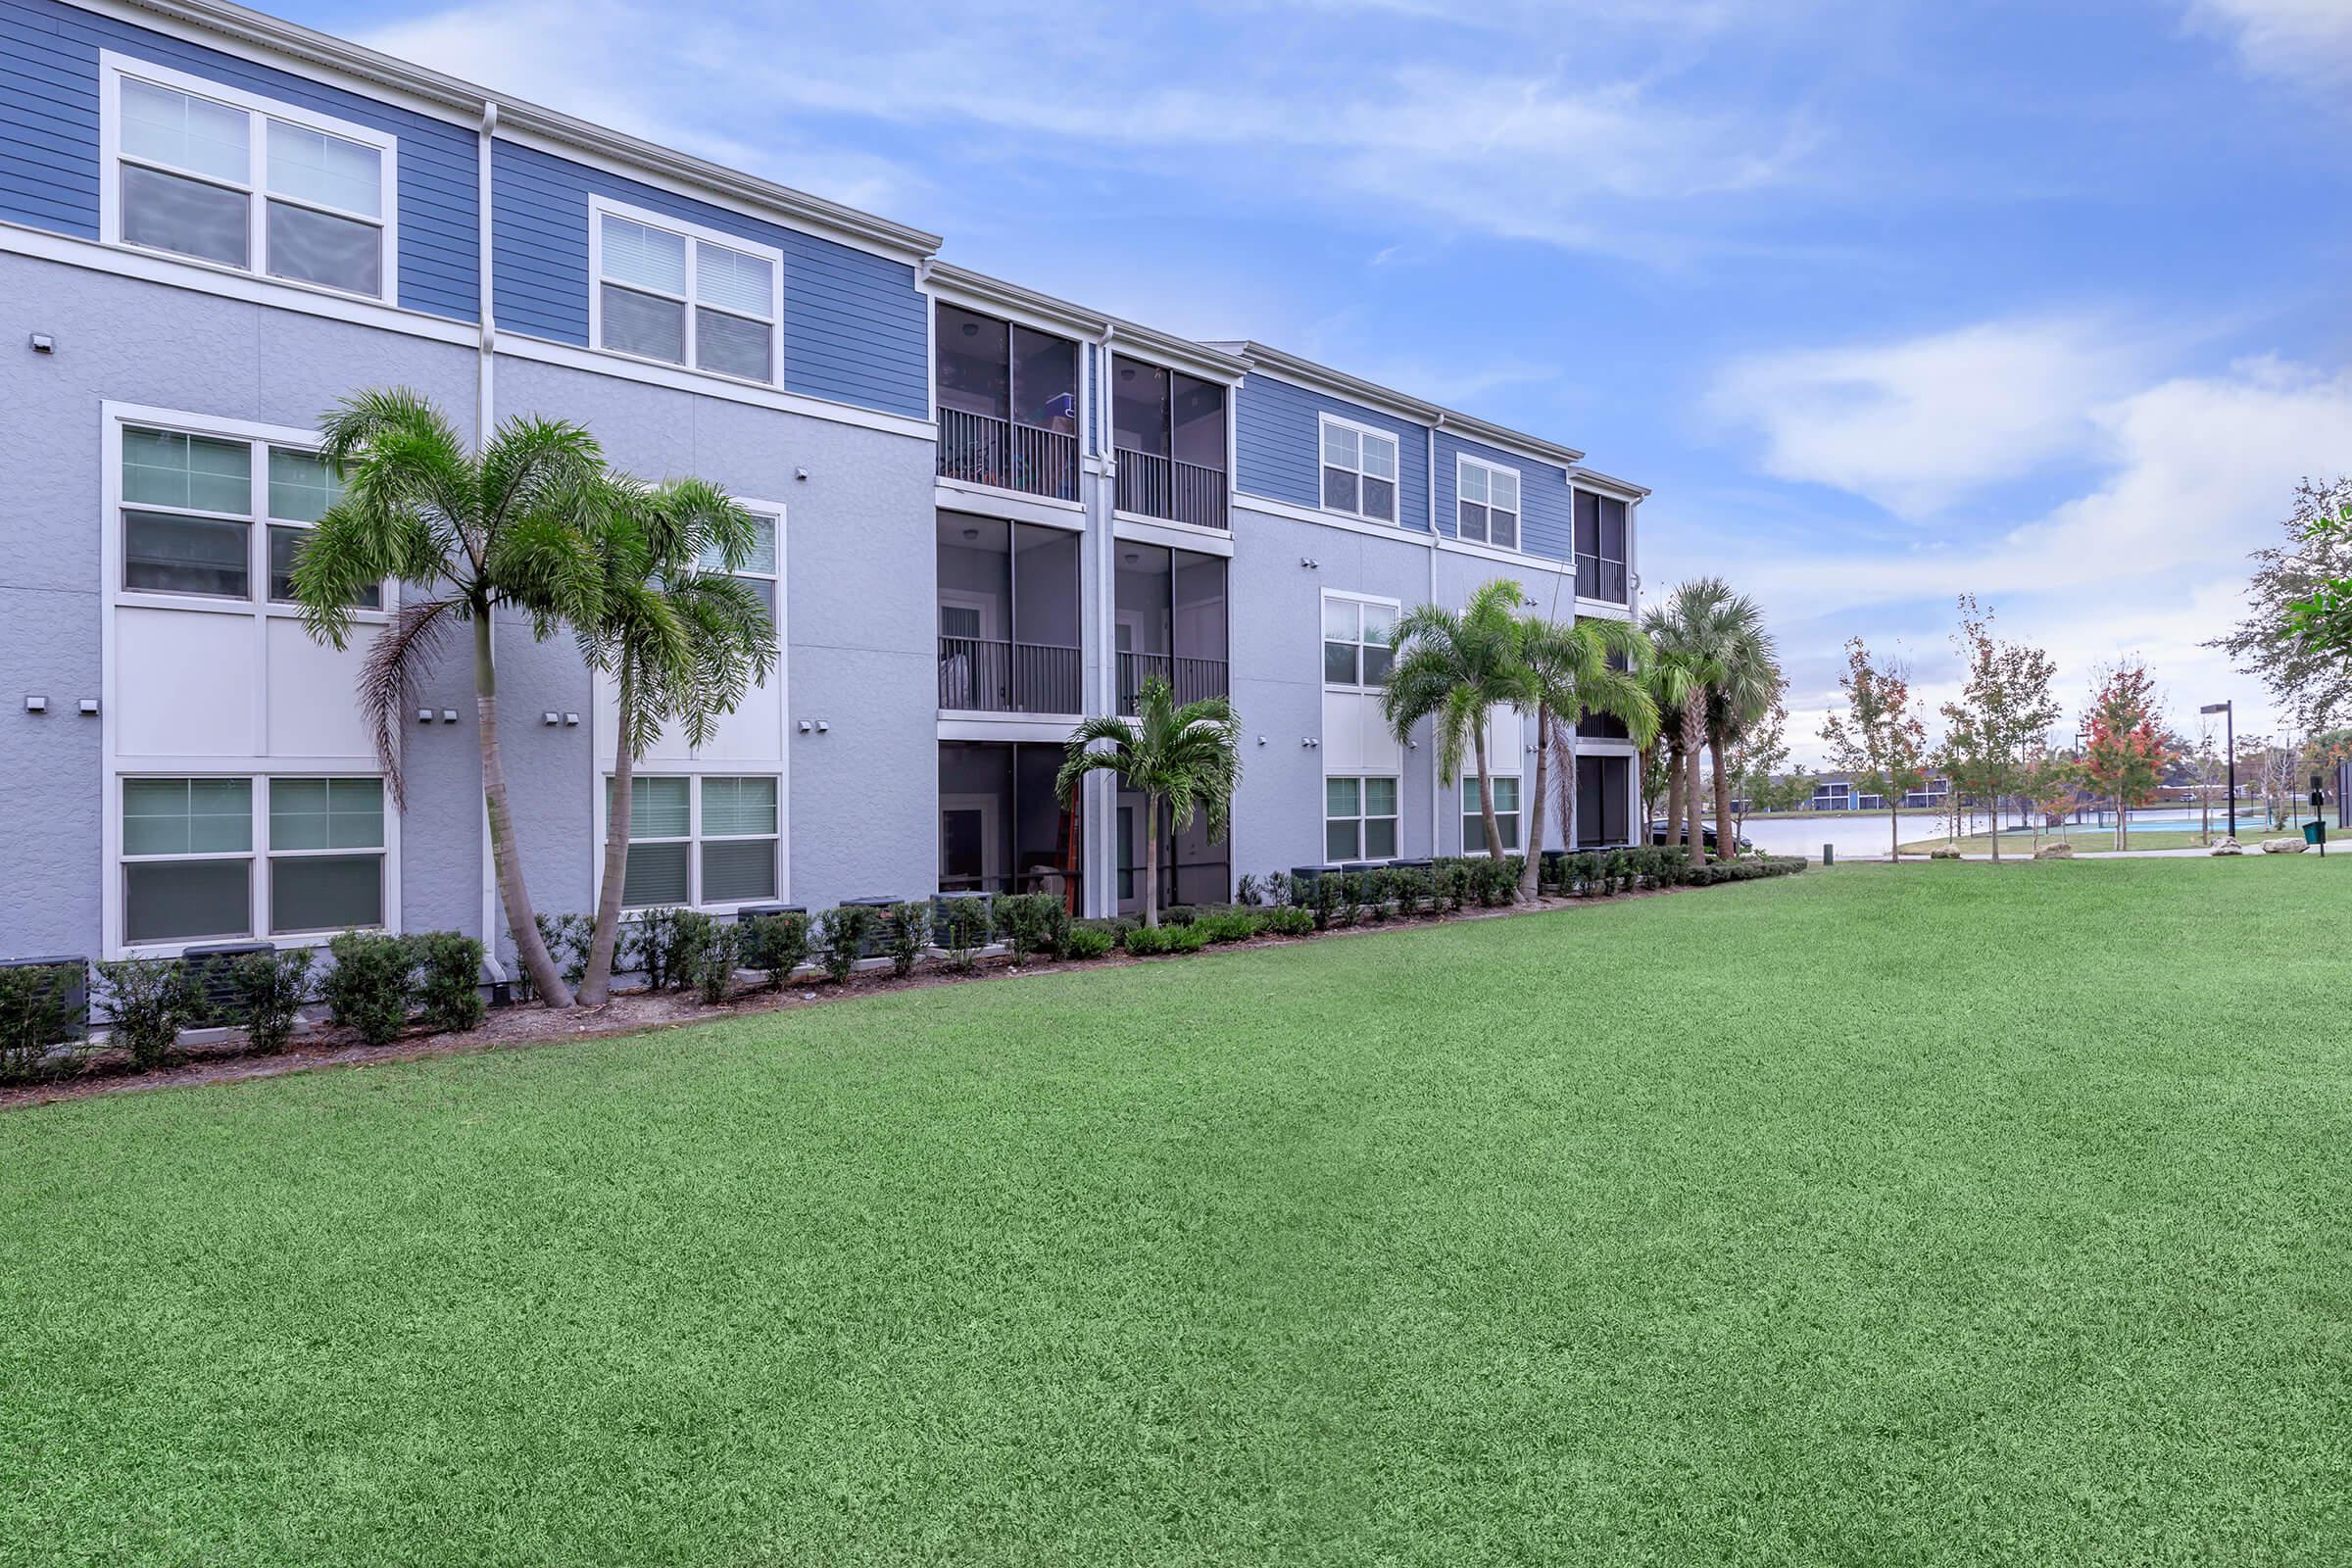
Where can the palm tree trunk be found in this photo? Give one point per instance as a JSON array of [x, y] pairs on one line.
[[1151, 859], [509, 866], [1674, 796], [1726, 838], [1486, 795], [1694, 739], [1530, 873], [597, 983]]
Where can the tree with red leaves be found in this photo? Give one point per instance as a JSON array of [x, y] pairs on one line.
[[2126, 755]]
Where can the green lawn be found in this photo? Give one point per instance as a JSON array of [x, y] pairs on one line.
[[2097, 838], [1918, 1214]]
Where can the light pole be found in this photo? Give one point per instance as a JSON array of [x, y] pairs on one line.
[[2229, 745]]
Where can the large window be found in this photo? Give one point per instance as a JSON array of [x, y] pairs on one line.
[[1506, 813], [1359, 470], [189, 860], [701, 841], [1487, 503], [1600, 547], [190, 506], [1357, 639], [207, 172], [757, 569], [1359, 819], [666, 290], [1170, 432]]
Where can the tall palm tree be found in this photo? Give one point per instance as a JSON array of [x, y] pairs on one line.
[[1681, 673], [470, 533], [680, 638], [1716, 640], [1740, 700], [1569, 667], [1452, 666], [1190, 757]]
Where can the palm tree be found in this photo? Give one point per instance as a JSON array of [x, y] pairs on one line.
[[1189, 757], [1451, 668], [1680, 675], [1749, 684], [680, 638], [1569, 667], [1714, 639], [470, 533]]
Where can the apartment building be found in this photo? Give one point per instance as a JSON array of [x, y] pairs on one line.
[[986, 514]]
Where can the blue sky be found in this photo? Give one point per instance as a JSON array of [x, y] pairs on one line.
[[1887, 301]]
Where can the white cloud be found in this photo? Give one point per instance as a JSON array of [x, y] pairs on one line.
[[2309, 42], [1917, 425]]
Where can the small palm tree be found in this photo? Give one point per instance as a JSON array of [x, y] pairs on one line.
[[1189, 757], [470, 533], [1684, 633], [681, 639], [1572, 666], [1452, 666]]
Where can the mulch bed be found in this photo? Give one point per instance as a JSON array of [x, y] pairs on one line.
[[108, 1071]]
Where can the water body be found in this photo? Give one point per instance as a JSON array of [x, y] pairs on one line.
[[1854, 835]]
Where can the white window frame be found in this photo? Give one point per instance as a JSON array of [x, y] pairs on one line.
[[1324, 421], [258, 855], [1365, 818], [1331, 595], [696, 236], [1474, 827], [695, 774], [113, 68], [1464, 461]]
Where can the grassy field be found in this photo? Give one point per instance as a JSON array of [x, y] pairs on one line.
[[2090, 838], [1921, 1215]]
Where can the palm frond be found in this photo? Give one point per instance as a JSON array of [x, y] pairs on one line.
[[392, 676]]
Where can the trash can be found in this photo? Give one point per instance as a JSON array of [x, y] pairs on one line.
[[2315, 832]]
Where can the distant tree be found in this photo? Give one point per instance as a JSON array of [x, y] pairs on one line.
[[2297, 634], [1759, 757], [1880, 742], [2269, 762], [2125, 757], [2004, 705], [2053, 780]]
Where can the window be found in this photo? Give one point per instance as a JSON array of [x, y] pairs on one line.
[[667, 291], [757, 569], [188, 860], [1357, 639], [1506, 813], [188, 506], [205, 172], [1487, 503], [1359, 472], [1359, 819], [1600, 559], [700, 842]]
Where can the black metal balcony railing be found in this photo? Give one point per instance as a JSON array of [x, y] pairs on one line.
[[984, 676], [1040, 877], [1600, 578], [1153, 487], [1012, 456], [1193, 679], [1600, 727]]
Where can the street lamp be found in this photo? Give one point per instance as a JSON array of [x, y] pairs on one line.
[[2229, 732]]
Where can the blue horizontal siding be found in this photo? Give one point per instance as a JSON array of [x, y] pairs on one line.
[[853, 323], [1277, 436], [49, 158], [1547, 513]]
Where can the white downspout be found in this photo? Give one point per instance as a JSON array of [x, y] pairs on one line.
[[1430, 484]]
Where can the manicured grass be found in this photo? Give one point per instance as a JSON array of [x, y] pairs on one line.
[[2098, 839], [1893, 1215]]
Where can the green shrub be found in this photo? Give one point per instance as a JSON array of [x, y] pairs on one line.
[[1292, 922], [906, 933], [1032, 922], [963, 930], [776, 944], [1234, 925], [1456, 885], [149, 1000], [1247, 889], [39, 1009], [269, 989], [568, 938], [1179, 914], [660, 945], [711, 960], [1147, 942], [450, 986], [1088, 942], [368, 989], [847, 931], [1277, 888], [1187, 938], [1380, 887]]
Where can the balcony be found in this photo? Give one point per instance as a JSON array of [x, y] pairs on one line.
[[1191, 678], [1169, 608], [978, 449], [1597, 579], [980, 675], [1168, 487]]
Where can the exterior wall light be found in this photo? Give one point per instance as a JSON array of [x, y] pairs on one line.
[[34, 703]]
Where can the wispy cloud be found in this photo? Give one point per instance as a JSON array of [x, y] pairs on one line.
[[2309, 42]]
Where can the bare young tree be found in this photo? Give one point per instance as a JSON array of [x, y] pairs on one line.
[[1880, 741]]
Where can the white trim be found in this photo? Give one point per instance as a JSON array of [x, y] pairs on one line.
[[1019, 506], [963, 724], [696, 235], [1174, 535], [1463, 460], [1509, 558], [113, 68], [1362, 820], [1604, 610], [599, 361], [1396, 482], [1418, 538]]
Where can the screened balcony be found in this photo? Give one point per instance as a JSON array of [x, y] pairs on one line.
[[1002, 828], [1194, 868], [1007, 405], [1169, 620], [1600, 547], [1008, 617], [1168, 429]]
